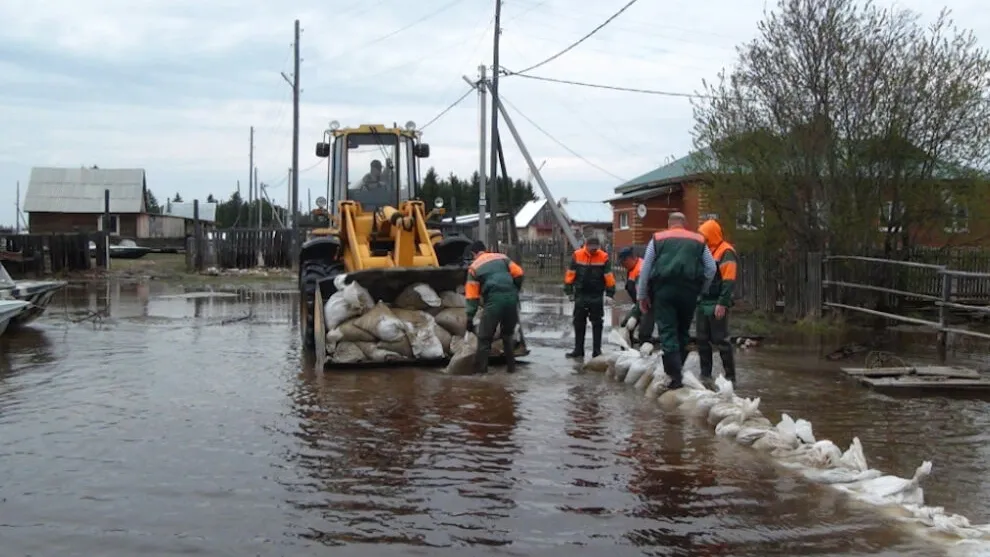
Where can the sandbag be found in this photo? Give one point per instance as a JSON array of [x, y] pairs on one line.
[[462, 361], [600, 362], [347, 353], [348, 301], [419, 330], [382, 323], [401, 347], [418, 296], [451, 299], [375, 353], [349, 332], [454, 320], [444, 336]]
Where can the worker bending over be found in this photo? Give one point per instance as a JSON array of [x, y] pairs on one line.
[[634, 268], [589, 276], [497, 280], [678, 269], [712, 324]]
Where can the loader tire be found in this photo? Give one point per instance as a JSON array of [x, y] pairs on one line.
[[310, 275]]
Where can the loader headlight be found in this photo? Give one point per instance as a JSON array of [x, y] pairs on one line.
[[334, 126], [438, 202], [410, 125], [321, 202]]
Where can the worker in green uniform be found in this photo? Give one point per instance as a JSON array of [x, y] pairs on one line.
[[678, 267], [712, 321], [497, 280], [588, 277], [634, 268]]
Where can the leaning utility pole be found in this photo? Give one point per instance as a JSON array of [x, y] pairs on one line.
[[493, 169], [17, 217], [294, 186]]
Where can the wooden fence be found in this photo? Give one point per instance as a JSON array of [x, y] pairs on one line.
[[240, 248], [42, 254]]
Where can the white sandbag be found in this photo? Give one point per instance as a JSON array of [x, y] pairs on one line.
[[619, 337], [374, 352], [357, 297], [942, 522], [418, 296], [727, 428], [891, 490], [462, 361], [382, 323], [425, 343], [451, 299], [601, 362], [638, 368], [802, 428], [631, 324], [821, 454], [347, 353], [738, 412], [337, 310], [454, 320], [854, 458], [839, 475], [748, 435], [645, 379], [783, 436], [659, 383]]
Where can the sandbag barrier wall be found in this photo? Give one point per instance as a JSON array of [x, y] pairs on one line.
[[43, 254], [792, 444]]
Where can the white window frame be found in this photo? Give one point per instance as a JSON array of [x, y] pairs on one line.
[[708, 216], [624, 216], [886, 209], [956, 224], [114, 224], [752, 222]]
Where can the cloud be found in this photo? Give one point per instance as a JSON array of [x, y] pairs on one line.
[[173, 86]]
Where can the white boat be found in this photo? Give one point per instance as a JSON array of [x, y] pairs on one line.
[[10, 310], [36, 293]]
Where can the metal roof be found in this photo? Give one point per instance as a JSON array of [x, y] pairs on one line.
[[528, 212], [646, 193], [184, 209], [587, 212], [80, 190], [472, 218], [680, 168]]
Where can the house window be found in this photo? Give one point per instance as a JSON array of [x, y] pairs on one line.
[[624, 221], [887, 216], [749, 215], [114, 224], [958, 213], [709, 216]]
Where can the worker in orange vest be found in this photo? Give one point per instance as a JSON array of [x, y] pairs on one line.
[[634, 268], [712, 320], [589, 276]]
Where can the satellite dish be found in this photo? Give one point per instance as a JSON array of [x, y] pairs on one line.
[[641, 211], [321, 202]]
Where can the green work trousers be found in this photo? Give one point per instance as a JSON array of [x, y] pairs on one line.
[[713, 334], [499, 311], [673, 307]]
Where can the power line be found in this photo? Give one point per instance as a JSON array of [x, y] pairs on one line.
[[615, 87], [448, 109], [391, 34], [581, 40], [557, 141]]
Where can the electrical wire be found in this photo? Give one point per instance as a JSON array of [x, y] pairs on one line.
[[448, 109], [581, 40], [615, 87], [502, 98]]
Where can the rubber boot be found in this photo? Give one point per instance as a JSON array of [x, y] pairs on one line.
[[728, 356], [481, 356], [596, 338], [672, 367], [706, 360], [579, 330], [509, 348]]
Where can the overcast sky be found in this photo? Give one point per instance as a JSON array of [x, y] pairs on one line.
[[172, 86]]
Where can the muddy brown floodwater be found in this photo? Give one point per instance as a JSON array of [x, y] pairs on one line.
[[191, 426]]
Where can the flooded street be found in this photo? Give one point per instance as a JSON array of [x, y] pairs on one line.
[[192, 426]]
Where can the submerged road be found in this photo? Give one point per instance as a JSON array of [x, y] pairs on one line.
[[190, 426]]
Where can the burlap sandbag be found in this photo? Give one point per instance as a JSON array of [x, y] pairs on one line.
[[462, 362], [418, 296], [451, 299], [347, 353], [375, 353], [349, 332], [400, 347], [454, 320], [382, 323], [415, 317], [444, 336]]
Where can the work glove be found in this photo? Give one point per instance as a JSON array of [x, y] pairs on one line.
[[470, 324]]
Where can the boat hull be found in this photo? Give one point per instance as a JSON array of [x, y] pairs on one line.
[[38, 294], [10, 310]]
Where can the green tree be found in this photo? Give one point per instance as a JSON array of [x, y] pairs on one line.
[[840, 117], [177, 198], [151, 203], [211, 199]]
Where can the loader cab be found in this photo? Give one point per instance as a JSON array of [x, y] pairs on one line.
[[374, 165]]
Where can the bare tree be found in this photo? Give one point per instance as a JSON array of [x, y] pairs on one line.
[[849, 123]]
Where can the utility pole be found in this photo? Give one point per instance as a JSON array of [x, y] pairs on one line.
[[254, 199], [482, 151], [288, 201], [17, 217], [294, 185], [309, 199], [493, 169], [250, 176]]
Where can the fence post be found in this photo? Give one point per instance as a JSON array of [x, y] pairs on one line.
[[197, 237], [106, 226], [942, 337]]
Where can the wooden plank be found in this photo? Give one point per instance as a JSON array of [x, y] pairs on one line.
[[930, 383], [922, 371]]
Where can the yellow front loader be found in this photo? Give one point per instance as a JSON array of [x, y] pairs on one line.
[[375, 230]]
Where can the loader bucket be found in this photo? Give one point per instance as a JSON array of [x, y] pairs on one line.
[[386, 285]]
